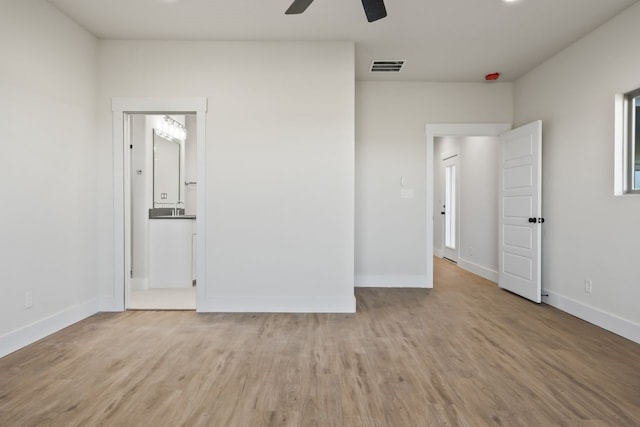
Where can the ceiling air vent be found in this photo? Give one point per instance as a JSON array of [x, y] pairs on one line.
[[386, 66]]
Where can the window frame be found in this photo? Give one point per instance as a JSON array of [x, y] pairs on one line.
[[630, 118]]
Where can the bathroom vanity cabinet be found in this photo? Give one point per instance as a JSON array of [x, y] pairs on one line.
[[171, 252]]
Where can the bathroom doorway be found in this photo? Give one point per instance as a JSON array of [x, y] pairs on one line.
[[161, 211], [122, 110]]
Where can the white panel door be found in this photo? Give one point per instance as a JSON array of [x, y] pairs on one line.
[[520, 212], [450, 239]]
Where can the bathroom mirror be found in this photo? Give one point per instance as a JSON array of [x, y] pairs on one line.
[[166, 172]]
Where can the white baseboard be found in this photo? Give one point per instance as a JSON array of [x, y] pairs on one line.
[[608, 321], [437, 252], [346, 304], [29, 334], [478, 269], [392, 281], [107, 304]]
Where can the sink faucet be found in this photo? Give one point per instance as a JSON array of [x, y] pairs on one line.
[[175, 210]]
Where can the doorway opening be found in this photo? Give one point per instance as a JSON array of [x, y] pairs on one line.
[[445, 135], [123, 109], [514, 206], [162, 211], [466, 182]]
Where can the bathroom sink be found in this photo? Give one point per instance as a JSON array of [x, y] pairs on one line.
[[167, 213], [173, 217]]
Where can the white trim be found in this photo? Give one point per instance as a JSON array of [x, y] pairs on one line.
[[127, 208], [201, 205], [620, 144], [610, 322], [436, 130], [15, 340], [116, 296], [154, 105], [392, 281], [115, 301], [438, 252], [107, 303], [478, 269], [284, 304]]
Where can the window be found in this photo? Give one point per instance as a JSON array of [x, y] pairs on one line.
[[632, 131]]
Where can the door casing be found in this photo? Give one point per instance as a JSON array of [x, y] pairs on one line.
[[115, 300]]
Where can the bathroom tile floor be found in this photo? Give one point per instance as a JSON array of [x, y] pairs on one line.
[[163, 299]]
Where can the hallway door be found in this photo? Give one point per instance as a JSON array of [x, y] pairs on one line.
[[450, 169], [520, 211]]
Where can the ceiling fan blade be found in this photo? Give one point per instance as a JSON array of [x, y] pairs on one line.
[[298, 6], [374, 9]]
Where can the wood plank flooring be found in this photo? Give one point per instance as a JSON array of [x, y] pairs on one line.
[[462, 354]]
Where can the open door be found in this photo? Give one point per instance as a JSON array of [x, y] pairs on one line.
[[520, 211]]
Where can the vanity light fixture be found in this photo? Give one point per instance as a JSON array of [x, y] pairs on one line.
[[171, 129]]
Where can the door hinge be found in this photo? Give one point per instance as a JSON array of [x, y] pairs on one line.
[[131, 146]]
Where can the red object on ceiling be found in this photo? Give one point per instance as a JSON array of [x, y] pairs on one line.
[[492, 77]]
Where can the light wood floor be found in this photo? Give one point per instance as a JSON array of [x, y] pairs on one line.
[[463, 354]]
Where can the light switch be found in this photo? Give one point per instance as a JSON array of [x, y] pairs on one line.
[[406, 193]]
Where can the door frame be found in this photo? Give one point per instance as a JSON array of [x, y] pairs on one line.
[[122, 190], [434, 131]]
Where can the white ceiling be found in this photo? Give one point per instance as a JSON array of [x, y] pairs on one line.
[[441, 40]]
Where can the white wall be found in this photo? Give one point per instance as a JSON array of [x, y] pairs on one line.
[[479, 169], [48, 237], [588, 233], [478, 201], [280, 164], [391, 243]]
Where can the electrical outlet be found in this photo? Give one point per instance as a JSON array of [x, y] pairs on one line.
[[588, 286], [28, 299]]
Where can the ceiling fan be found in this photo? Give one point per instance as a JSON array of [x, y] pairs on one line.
[[374, 9]]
